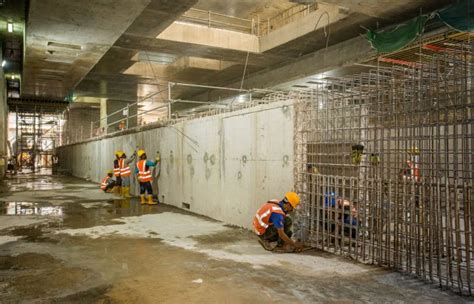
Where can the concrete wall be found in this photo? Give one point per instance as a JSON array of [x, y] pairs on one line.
[[224, 167]]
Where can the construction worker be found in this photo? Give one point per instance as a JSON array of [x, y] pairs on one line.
[[118, 179], [108, 183], [272, 224], [411, 169], [125, 173], [145, 176]]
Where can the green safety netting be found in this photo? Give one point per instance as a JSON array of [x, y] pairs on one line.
[[459, 16], [395, 39]]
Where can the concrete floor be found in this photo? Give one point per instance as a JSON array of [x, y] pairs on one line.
[[74, 244]]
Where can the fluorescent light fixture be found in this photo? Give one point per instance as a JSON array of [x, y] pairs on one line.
[[160, 58], [3, 63], [10, 27]]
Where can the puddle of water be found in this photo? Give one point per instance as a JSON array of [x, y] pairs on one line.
[[26, 208]]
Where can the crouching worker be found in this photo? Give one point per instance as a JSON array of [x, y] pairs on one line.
[[272, 224], [144, 175], [108, 183]]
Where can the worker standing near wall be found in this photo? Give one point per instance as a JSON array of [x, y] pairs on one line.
[[125, 173], [145, 176], [272, 223], [118, 179]]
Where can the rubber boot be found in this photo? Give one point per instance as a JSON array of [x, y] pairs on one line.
[[150, 200], [118, 191], [126, 192], [142, 199]]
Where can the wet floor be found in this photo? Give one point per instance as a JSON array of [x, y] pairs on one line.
[[63, 241]]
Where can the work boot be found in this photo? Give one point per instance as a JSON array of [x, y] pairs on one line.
[[126, 192], [150, 200], [118, 191], [267, 245], [142, 199]]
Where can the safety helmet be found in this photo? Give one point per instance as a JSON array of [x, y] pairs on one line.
[[140, 153], [119, 153], [110, 172], [292, 198], [413, 150]]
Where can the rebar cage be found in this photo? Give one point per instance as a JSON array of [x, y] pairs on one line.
[[384, 164]]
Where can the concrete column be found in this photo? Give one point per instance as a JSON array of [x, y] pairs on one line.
[[117, 115], [3, 125]]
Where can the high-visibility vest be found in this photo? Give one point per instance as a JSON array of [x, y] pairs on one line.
[[143, 174], [104, 183], [261, 220], [117, 168], [414, 171], [124, 170]]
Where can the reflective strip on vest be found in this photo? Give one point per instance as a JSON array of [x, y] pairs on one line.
[[262, 218], [143, 175], [117, 171], [103, 185], [124, 171]]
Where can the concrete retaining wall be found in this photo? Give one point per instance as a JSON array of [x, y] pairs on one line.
[[223, 166]]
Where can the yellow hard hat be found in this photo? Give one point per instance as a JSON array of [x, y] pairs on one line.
[[413, 150], [293, 199], [110, 172], [140, 153], [119, 153]]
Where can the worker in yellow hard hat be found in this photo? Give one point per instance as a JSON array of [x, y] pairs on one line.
[[108, 183], [118, 179], [145, 176], [125, 173], [273, 225]]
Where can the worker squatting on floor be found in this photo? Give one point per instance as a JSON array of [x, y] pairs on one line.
[[144, 175], [273, 225], [108, 183]]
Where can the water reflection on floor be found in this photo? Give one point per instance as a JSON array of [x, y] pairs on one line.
[[25, 208]]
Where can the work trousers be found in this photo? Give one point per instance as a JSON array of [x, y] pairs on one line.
[[146, 187], [271, 234]]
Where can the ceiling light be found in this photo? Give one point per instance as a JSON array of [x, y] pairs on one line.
[[10, 27], [3, 63], [160, 58], [13, 76]]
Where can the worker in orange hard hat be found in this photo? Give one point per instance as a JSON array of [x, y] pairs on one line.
[[273, 225]]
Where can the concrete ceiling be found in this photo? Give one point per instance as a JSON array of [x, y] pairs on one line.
[[113, 61], [66, 38]]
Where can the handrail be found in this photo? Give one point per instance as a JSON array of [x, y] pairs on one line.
[[218, 14], [216, 107], [254, 26]]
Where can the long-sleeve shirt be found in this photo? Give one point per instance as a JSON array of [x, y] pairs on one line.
[[130, 159]]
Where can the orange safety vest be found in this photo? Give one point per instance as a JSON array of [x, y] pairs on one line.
[[117, 169], [414, 171], [143, 174], [124, 171], [261, 220], [103, 185]]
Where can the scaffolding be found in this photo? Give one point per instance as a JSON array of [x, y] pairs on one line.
[[37, 133], [384, 164]]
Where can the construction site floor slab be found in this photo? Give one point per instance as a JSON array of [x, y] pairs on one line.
[[63, 241]]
